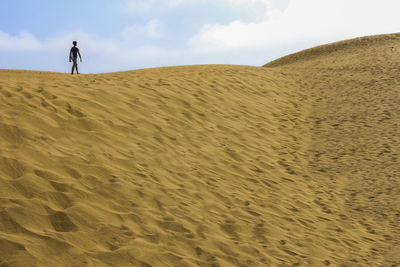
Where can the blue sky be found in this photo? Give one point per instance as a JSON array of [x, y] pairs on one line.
[[116, 35]]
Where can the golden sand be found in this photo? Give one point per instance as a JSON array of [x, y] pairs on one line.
[[291, 164]]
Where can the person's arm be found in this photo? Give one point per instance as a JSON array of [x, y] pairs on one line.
[[80, 55], [70, 55]]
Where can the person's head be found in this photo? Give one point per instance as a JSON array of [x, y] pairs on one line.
[[74, 43]]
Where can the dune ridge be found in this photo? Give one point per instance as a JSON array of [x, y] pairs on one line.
[[293, 164], [346, 50]]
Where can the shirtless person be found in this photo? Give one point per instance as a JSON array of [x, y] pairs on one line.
[[73, 56]]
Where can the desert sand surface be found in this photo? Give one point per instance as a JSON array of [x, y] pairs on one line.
[[291, 164]]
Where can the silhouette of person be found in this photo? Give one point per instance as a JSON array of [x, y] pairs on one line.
[[73, 56]]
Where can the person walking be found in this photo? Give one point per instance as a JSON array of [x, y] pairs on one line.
[[73, 56]]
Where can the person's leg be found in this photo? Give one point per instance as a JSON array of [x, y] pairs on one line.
[[73, 65], [76, 66]]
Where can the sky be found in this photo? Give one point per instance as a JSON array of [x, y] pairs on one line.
[[117, 35]]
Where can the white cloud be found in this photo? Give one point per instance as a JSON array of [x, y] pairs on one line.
[[23, 41], [140, 6], [149, 6], [325, 21], [248, 2], [153, 29]]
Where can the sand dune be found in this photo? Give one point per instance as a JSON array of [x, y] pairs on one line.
[[291, 164]]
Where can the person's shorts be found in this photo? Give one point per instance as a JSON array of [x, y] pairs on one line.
[[75, 60]]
